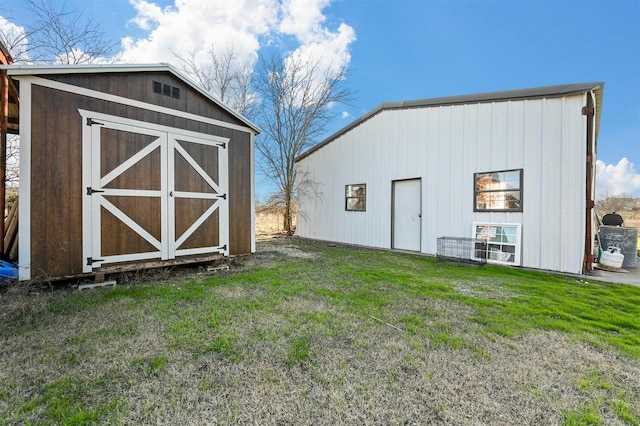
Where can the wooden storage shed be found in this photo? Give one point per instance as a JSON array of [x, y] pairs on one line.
[[514, 169], [124, 166]]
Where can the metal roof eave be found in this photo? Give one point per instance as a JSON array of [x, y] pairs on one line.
[[533, 93], [22, 70], [599, 92]]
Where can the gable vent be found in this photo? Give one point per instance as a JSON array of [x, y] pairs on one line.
[[166, 89]]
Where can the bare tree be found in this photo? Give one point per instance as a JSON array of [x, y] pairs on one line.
[[14, 40], [12, 166], [614, 203], [222, 75], [58, 35], [297, 100]]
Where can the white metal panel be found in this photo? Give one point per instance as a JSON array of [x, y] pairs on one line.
[[444, 180], [483, 138], [549, 182], [573, 184], [516, 128], [532, 189]]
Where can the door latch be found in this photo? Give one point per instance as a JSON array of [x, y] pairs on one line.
[[90, 190]]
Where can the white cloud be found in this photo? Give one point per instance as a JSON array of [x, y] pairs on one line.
[[196, 25], [318, 45], [345, 114], [14, 39], [193, 26], [331, 49], [303, 19], [621, 178], [149, 14]]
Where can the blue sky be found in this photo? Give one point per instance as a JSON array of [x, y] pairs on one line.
[[415, 49]]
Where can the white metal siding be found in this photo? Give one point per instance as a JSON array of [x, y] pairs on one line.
[[445, 146]]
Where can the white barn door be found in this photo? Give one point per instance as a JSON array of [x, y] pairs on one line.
[[152, 192], [407, 214]]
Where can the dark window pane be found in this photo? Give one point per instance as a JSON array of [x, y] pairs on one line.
[[356, 204], [355, 190]]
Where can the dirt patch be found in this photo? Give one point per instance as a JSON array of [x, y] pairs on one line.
[[270, 248]]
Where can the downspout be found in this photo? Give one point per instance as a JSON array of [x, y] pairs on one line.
[[589, 258]]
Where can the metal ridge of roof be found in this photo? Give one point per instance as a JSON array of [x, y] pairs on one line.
[[533, 93], [15, 69]]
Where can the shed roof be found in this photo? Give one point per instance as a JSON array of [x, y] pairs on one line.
[[534, 93], [18, 70]]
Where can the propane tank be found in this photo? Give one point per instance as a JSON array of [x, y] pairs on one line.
[[612, 257]]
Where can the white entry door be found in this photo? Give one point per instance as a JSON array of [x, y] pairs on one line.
[[407, 214], [152, 192]]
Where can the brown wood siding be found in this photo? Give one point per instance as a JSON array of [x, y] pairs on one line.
[[56, 161], [187, 178], [239, 192], [56, 197], [117, 238], [118, 146]]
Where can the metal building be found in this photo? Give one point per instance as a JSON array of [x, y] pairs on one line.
[[515, 169]]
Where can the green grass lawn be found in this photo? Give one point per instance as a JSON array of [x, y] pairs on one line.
[[310, 333]]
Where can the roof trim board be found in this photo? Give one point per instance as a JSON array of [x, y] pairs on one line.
[[26, 70], [534, 93]]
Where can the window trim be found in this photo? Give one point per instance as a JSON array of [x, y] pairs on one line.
[[347, 198], [477, 192]]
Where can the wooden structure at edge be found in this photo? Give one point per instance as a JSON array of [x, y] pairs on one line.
[[9, 107]]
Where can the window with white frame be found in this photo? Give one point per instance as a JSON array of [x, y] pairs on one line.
[[500, 242], [498, 191], [356, 197]]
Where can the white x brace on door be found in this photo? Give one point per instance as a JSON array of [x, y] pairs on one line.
[[152, 192]]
